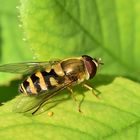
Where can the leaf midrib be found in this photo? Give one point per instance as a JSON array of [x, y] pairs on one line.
[[104, 48]]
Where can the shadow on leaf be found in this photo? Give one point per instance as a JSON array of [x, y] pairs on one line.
[[8, 92]]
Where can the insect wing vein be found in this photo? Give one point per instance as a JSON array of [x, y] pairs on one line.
[[26, 67], [31, 103]]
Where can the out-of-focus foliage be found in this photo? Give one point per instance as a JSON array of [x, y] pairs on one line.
[[12, 47]]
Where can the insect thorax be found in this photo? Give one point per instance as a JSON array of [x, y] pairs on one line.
[[74, 69]]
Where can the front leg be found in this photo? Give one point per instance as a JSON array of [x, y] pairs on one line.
[[92, 90], [72, 93]]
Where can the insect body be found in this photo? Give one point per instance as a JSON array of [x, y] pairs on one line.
[[47, 78]]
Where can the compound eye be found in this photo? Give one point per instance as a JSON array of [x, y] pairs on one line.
[[90, 65]]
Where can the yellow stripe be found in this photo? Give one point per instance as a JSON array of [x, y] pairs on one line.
[[58, 70], [41, 80], [48, 69], [24, 90], [31, 85], [53, 82]]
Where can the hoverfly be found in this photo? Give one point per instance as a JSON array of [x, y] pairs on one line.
[[46, 79]]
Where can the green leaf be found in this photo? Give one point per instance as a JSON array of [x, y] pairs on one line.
[[61, 29], [115, 115], [107, 29]]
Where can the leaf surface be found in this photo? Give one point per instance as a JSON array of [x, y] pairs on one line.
[[115, 115]]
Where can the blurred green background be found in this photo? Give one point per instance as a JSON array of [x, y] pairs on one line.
[[12, 47]]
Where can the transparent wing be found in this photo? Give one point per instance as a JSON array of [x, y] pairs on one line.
[[26, 67], [51, 102], [33, 104]]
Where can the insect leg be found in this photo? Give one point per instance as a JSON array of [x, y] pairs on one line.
[[80, 103], [75, 100], [72, 94], [92, 90]]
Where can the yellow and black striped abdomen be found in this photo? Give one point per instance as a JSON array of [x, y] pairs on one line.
[[41, 81]]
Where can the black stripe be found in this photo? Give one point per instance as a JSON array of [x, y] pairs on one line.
[[52, 72], [25, 84], [44, 73], [37, 85], [46, 76], [34, 78], [36, 82]]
